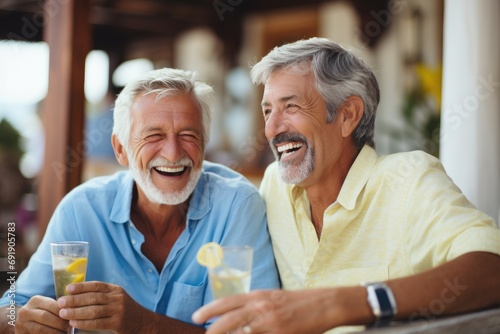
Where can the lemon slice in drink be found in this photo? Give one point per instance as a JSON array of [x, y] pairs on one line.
[[79, 266], [78, 278], [210, 255]]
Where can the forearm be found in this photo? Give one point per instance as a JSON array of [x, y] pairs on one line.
[[470, 282], [349, 307], [467, 283], [8, 314]]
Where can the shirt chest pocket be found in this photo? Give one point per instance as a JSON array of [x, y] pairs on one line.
[[184, 300], [356, 276]]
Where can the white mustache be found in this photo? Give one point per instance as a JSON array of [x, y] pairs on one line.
[[161, 162]]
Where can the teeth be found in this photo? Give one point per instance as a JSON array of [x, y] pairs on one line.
[[288, 147], [170, 169]]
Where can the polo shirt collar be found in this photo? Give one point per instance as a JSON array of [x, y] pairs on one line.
[[357, 177]]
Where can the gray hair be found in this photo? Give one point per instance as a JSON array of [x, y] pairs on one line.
[[164, 82], [339, 74]]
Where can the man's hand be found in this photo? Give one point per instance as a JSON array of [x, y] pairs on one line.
[[104, 306], [40, 315], [467, 283], [277, 312]]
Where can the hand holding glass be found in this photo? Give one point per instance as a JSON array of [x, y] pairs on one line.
[[69, 264]]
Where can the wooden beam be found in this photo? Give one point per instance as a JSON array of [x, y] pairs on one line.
[[67, 31]]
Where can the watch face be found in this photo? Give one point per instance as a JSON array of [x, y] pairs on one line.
[[382, 302], [386, 309]]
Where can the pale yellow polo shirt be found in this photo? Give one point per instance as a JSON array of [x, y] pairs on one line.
[[396, 215]]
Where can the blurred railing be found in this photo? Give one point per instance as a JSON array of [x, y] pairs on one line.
[[481, 322]]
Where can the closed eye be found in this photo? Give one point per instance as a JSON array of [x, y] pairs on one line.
[[189, 136], [154, 137]]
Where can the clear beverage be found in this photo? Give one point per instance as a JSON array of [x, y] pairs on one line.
[[233, 275], [67, 270], [69, 265], [227, 282]]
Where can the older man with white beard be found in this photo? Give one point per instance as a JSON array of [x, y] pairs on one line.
[[146, 225]]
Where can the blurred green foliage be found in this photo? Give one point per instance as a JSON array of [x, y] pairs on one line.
[[10, 139], [421, 111]]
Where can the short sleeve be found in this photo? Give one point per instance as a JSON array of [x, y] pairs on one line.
[[442, 224]]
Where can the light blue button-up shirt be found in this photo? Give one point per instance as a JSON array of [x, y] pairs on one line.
[[224, 208]]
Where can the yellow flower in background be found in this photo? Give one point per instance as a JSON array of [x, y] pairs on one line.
[[430, 79]]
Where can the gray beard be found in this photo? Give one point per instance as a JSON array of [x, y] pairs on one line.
[[291, 173]]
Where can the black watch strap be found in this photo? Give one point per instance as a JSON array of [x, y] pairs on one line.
[[382, 303]]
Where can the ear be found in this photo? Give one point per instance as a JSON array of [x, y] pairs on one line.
[[120, 152], [351, 112]]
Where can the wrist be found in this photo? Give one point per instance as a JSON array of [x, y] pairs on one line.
[[382, 302], [350, 307], [150, 323]]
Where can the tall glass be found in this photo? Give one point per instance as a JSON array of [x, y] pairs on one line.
[[233, 276], [69, 265]]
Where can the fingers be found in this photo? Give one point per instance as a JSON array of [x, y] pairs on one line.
[[91, 293], [97, 305], [89, 317], [88, 301], [250, 318], [40, 315], [38, 319], [241, 314], [244, 330], [227, 304], [93, 286], [219, 306], [87, 312], [42, 303], [92, 305]]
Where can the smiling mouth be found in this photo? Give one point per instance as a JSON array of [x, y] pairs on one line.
[[288, 149], [171, 171]]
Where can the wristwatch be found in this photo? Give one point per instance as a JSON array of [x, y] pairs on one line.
[[382, 302]]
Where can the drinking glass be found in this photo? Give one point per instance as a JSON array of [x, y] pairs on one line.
[[69, 265], [233, 276]]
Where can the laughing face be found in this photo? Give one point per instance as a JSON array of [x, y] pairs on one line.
[[297, 130], [166, 147], [294, 155]]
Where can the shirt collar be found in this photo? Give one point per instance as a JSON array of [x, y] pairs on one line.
[[120, 213], [357, 177], [199, 204]]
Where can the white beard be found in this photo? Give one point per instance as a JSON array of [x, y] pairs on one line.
[[144, 180]]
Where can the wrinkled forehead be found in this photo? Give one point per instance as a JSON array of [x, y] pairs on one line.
[[299, 67], [287, 83]]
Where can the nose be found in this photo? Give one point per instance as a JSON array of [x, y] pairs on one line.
[[171, 149], [275, 124]]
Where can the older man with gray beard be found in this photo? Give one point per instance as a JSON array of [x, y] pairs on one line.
[[359, 239]]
